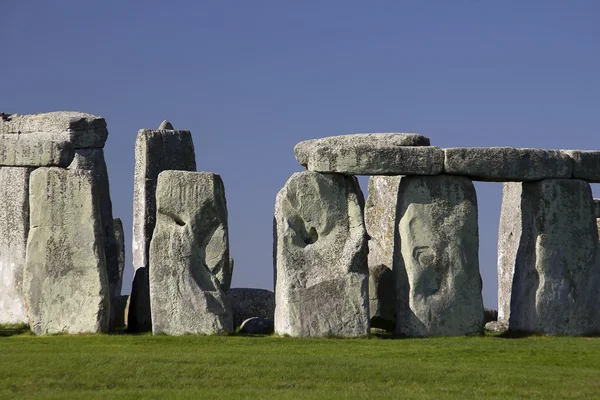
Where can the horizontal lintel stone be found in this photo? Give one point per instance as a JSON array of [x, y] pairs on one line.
[[32, 151], [498, 164], [586, 164]]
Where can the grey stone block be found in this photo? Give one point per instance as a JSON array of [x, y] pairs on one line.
[[320, 257], [248, 303], [548, 258], [14, 228], [380, 221], [34, 151], [188, 253], [436, 260], [80, 129], [64, 282], [586, 164], [371, 154], [498, 164], [155, 151]]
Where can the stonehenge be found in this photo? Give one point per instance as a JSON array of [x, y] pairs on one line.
[[405, 259]]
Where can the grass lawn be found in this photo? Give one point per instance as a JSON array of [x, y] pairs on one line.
[[126, 366]]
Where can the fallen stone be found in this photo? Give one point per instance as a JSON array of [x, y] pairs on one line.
[[189, 248], [507, 163], [80, 129], [257, 326], [248, 303], [380, 221], [155, 151], [548, 258], [33, 151], [166, 125], [93, 160], [436, 259], [64, 283], [14, 228], [320, 257], [586, 164], [371, 154], [496, 327]]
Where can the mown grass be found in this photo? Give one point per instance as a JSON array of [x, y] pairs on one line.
[[126, 366]]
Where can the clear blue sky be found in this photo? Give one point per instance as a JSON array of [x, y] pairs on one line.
[[252, 78]]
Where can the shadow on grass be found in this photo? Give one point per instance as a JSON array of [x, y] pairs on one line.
[[13, 329]]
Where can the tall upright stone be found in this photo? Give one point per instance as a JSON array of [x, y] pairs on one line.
[[380, 221], [548, 258], [14, 228], [65, 285], [436, 261], [320, 257], [155, 151], [188, 253], [92, 159]]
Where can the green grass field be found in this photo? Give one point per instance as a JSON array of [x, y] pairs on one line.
[[125, 366]]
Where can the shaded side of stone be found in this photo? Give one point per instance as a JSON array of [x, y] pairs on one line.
[[380, 222], [321, 257], [189, 250], [248, 303], [14, 228], [436, 260], [507, 163], [65, 285], [554, 262]]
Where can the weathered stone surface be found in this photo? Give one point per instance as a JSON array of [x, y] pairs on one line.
[[65, 285], [371, 154], [81, 129], [380, 221], [93, 160], [320, 257], [436, 259], [586, 164], [33, 151], [189, 248], [548, 258], [495, 326], [247, 303], [166, 125], [155, 151], [14, 228], [257, 326], [507, 163]]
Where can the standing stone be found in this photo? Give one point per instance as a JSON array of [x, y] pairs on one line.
[[380, 221], [189, 248], [436, 259], [548, 258], [14, 228], [120, 239], [155, 151], [320, 257], [65, 284], [92, 160]]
